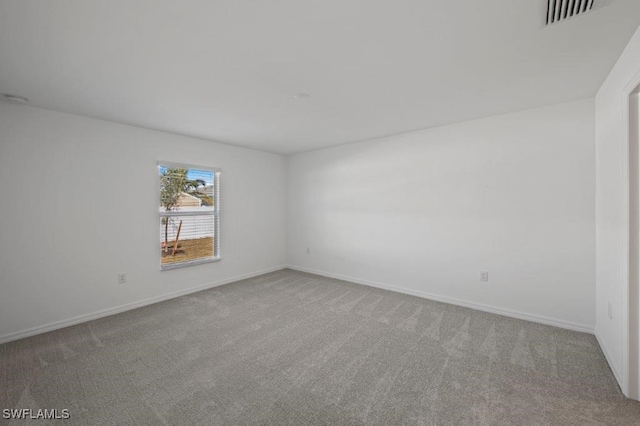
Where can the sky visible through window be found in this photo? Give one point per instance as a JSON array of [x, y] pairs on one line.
[[194, 174]]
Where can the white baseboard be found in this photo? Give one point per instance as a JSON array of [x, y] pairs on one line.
[[615, 371], [459, 302], [126, 307]]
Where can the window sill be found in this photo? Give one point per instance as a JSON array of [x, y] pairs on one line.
[[178, 265]]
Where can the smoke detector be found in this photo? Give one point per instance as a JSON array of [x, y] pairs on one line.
[[556, 11], [14, 99]]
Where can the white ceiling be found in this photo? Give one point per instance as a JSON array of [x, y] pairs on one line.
[[228, 70]]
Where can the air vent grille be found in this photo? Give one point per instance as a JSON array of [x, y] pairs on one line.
[[561, 10]]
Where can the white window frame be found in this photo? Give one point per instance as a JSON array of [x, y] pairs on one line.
[[215, 212]]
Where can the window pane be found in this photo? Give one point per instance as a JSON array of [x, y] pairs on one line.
[[186, 187], [186, 238], [188, 215]]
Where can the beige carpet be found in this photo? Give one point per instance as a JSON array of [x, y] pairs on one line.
[[293, 348]]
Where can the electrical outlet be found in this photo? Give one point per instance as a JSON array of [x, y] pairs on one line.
[[308, 250], [484, 276], [122, 278], [610, 310]]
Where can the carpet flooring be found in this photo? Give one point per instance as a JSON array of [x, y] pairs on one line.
[[289, 348]]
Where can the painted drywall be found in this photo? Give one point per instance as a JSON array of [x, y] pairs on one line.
[[80, 205], [611, 206], [634, 245], [425, 212], [634, 290]]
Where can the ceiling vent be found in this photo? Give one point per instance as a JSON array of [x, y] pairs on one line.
[[561, 10]]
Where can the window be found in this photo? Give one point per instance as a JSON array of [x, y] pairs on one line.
[[189, 215]]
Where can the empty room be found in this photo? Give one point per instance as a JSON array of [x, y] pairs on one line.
[[295, 212]]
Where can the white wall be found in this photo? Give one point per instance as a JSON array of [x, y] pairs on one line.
[[634, 245], [634, 291], [425, 212], [79, 204], [611, 208]]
